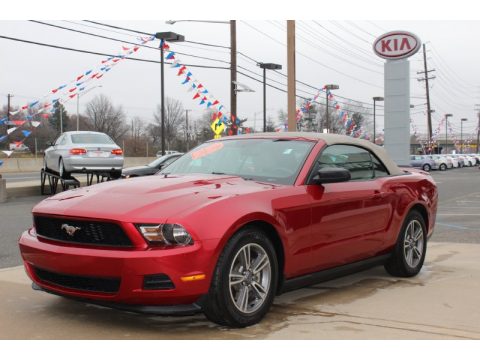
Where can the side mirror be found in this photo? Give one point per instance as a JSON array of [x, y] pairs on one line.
[[331, 175]]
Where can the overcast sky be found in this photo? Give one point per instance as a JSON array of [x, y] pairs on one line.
[[338, 52]]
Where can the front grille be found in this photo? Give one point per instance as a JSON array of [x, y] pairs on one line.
[[84, 231], [84, 283]]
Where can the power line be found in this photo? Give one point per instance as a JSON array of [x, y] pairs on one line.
[[313, 60], [104, 54], [123, 41], [145, 33]]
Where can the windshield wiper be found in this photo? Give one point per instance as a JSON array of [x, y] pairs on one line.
[[217, 173]]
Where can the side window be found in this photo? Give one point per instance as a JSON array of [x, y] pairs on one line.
[[378, 168], [355, 159], [63, 141], [59, 140]]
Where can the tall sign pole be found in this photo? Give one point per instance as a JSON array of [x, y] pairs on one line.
[[233, 72], [396, 47], [292, 106]]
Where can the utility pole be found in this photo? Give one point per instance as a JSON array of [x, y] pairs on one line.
[[291, 79], [233, 73], [478, 126], [8, 106], [186, 126], [426, 78]]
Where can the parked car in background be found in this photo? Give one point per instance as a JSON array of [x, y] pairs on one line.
[[460, 159], [423, 162], [231, 224], [167, 152], [454, 160], [84, 151], [476, 157], [151, 168], [18, 147], [440, 160], [469, 160]]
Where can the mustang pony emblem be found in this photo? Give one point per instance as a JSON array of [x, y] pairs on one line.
[[70, 230]]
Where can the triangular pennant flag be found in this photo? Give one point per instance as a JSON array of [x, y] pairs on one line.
[[79, 77], [26, 133], [18, 122], [9, 131], [187, 79], [175, 64], [14, 112], [8, 153], [200, 86], [62, 86], [209, 104], [33, 104], [197, 95], [54, 91], [24, 107], [136, 48], [124, 48], [45, 116], [171, 55], [35, 123], [215, 102], [88, 72], [181, 70], [205, 91], [3, 138], [72, 89], [99, 76]]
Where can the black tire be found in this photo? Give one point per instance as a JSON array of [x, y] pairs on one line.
[[61, 170], [219, 305], [45, 167], [427, 167], [398, 263], [443, 167]]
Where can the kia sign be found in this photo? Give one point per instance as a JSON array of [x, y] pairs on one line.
[[396, 45]]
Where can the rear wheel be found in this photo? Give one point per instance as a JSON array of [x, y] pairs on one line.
[[427, 167], [409, 253], [244, 283], [443, 167], [61, 170], [115, 175]]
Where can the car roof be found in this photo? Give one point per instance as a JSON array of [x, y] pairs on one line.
[[329, 139]]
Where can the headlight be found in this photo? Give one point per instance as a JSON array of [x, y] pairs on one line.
[[165, 234]]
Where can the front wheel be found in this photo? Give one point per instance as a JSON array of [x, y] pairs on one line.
[[443, 167], [61, 170], [244, 283], [409, 253], [427, 167]]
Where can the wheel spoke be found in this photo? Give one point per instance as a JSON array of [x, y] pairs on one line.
[[418, 234], [417, 252], [412, 229], [246, 257], [235, 279], [242, 301], [260, 290], [260, 263], [410, 257]]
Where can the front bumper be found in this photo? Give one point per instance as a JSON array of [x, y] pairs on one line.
[[129, 266]]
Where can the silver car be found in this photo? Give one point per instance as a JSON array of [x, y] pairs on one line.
[[84, 151]]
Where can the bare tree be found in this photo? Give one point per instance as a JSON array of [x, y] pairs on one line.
[[105, 117], [174, 119]]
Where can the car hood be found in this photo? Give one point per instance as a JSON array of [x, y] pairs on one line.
[[149, 199]]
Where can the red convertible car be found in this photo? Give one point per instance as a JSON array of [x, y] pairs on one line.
[[231, 224]]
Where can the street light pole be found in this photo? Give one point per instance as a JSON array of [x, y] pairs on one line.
[[171, 37], [446, 132], [327, 88], [265, 66], [375, 99], [186, 126], [461, 134]]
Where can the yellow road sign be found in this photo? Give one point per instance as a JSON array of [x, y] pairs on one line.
[[217, 127]]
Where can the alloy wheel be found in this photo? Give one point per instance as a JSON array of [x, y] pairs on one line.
[[250, 278], [413, 243]]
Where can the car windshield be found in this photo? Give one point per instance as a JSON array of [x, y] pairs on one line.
[[275, 161], [91, 139]]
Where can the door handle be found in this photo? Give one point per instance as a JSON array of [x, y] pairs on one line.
[[378, 195]]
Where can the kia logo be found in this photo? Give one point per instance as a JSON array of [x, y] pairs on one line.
[[70, 230], [396, 45]]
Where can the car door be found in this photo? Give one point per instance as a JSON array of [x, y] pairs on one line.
[[349, 219]]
